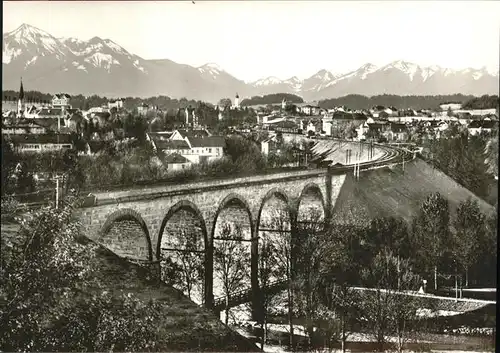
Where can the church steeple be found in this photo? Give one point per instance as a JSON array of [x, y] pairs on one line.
[[21, 91], [20, 101], [237, 101]]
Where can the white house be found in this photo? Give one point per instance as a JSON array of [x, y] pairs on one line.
[[116, 103], [450, 106], [61, 100], [197, 146], [327, 125]]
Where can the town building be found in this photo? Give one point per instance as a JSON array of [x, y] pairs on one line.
[[397, 132], [175, 161], [197, 146], [143, 109], [450, 106], [269, 145], [191, 118], [116, 103], [477, 127], [236, 104], [23, 128], [61, 100], [285, 127], [40, 142]]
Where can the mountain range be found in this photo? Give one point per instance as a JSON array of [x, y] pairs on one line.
[[101, 66]]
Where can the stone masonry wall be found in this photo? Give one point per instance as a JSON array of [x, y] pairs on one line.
[[150, 207]]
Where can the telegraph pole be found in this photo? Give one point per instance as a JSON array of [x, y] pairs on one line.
[[57, 191]]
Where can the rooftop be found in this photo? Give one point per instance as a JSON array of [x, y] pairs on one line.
[[171, 144], [209, 141], [194, 133], [176, 158]]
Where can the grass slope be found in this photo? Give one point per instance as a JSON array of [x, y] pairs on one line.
[[184, 326], [391, 192]]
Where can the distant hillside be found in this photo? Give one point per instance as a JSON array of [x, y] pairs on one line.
[[391, 192], [276, 98], [356, 101], [484, 102], [85, 102]]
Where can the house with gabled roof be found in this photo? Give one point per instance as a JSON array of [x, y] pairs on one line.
[[61, 100], [206, 149], [477, 127], [175, 161], [397, 132]]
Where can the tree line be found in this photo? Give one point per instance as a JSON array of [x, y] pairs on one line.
[[86, 102], [275, 98], [472, 161], [127, 162], [61, 300], [483, 102], [321, 266], [356, 101]]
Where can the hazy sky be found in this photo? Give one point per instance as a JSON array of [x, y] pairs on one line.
[[252, 39]]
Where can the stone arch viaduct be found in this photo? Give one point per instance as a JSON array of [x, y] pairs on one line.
[[151, 208]]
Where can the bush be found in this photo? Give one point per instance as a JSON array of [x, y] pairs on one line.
[[51, 301]]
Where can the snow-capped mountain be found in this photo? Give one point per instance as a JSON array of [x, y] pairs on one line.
[[101, 66]]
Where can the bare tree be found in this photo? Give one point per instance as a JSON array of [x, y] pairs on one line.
[[191, 263], [336, 294], [386, 307], [281, 223], [267, 272], [309, 246], [229, 260]]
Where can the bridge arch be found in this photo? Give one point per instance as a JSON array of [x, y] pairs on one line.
[[187, 206], [233, 200], [279, 194], [311, 193], [233, 212], [130, 218], [181, 250]]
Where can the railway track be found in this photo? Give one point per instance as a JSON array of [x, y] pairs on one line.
[[391, 156]]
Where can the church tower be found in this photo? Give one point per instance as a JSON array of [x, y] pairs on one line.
[[237, 101], [20, 100]]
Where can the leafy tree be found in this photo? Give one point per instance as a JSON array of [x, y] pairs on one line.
[[388, 234], [230, 258], [491, 152], [225, 103], [55, 301], [431, 232], [469, 226], [9, 162], [483, 102], [275, 98]]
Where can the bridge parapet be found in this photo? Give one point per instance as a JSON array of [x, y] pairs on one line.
[[144, 193]]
